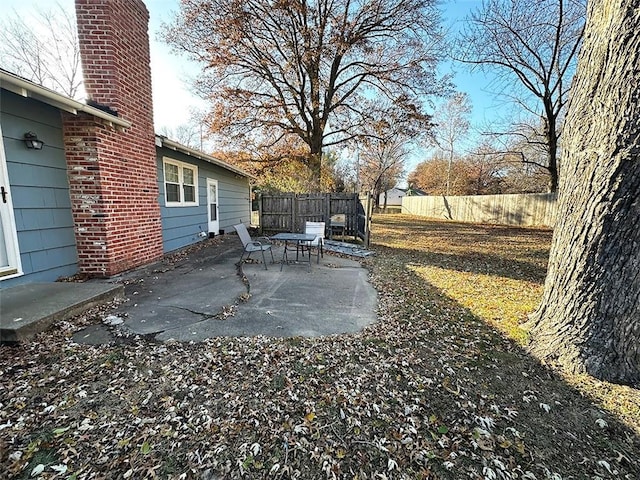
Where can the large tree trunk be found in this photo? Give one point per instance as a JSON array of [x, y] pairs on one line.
[[315, 165], [589, 319]]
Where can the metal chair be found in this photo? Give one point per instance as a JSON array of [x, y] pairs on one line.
[[251, 246], [317, 229]]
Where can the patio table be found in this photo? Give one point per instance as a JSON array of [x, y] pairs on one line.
[[293, 238]]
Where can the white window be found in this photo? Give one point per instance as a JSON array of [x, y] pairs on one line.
[[180, 184]]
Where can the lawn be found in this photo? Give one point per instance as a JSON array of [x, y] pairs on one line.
[[439, 388]]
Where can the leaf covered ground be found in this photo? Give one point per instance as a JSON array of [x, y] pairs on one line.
[[439, 388]]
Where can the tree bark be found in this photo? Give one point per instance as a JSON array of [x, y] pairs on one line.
[[315, 162], [552, 143], [589, 318]]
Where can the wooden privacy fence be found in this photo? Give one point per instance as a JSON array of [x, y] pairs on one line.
[[288, 212], [512, 209]]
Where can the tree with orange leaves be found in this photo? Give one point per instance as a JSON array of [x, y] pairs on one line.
[[315, 70]]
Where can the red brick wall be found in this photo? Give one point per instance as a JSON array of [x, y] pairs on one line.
[[113, 173]]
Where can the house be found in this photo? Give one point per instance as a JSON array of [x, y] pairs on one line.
[[393, 197], [222, 200], [103, 193]]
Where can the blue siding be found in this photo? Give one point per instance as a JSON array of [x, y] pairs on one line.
[[181, 225], [39, 189]]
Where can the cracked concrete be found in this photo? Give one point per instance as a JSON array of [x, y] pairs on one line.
[[195, 289], [203, 295]]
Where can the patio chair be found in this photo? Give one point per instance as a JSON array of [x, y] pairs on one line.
[[317, 229], [259, 245]]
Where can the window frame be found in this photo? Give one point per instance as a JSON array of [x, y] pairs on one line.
[[181, 185]]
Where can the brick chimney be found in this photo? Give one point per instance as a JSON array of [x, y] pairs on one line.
[[113, 172]]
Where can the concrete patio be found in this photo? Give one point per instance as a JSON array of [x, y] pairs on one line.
[[200, 293]]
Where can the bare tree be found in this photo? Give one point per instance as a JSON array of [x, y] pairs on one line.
[[532, 45], [452, 125], [588, 320], [381, 163], [486, 171], [385, 144], [195, 133], [295, 68], [431, 175], [43, 47]]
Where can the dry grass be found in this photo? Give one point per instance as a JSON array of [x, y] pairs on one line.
[[497, 273]]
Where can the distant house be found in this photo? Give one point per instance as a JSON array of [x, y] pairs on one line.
[[393, 197], [104, 194]]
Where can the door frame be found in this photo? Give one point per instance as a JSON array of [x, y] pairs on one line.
[[215, 223], [8, 230]]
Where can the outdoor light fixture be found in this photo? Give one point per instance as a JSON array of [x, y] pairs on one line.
[[31, 141]]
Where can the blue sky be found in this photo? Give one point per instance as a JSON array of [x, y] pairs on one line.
[[170, 72], [475, 84]]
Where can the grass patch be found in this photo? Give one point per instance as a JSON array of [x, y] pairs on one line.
[[500, 301], [495, 272]]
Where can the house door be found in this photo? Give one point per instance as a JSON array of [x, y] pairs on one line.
[[212, 203], [9, 257]]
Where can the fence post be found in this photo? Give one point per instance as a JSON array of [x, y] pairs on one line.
[[327, 209], [294, 211], [356, 202], [367, 223], [260, 222]]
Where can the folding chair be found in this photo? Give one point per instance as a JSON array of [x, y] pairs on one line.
[[317, 229], [251, 246]]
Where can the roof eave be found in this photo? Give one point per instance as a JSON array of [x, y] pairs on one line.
[[28, 89], [162, 141]]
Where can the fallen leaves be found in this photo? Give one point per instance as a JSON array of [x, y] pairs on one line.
[[429, 392]]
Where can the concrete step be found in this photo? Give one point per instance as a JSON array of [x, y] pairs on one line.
[[32, 308]]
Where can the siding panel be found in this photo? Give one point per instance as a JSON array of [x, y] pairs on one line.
[[36, 175], [181, 225], [39, 189]]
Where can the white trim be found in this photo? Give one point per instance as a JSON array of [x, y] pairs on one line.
[[9, 229], [181, 166], [25, 88], [216, 223], [165, 142]]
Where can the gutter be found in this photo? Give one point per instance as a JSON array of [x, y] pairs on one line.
[[28, 89], [165, 142]]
